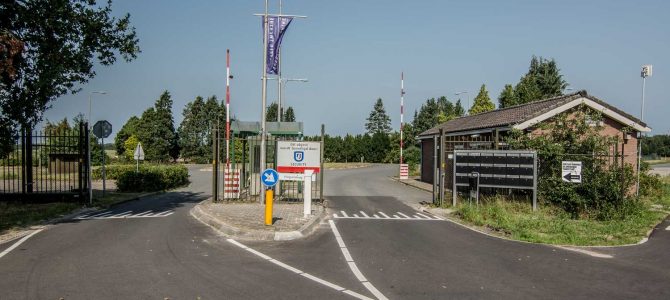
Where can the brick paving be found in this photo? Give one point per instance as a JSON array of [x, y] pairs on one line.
[[251, 216]]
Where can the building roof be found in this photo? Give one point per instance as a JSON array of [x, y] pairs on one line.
[[526, 115]]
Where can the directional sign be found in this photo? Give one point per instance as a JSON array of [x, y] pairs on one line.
[[269, 177], [139, 152], [572, 171], [102, 129]]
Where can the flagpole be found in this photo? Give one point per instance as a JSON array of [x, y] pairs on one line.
[[264, 96], [402, 104], [279, 114], [227, 108]]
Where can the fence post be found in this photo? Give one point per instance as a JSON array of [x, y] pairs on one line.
[[29, 161], [442, 165]]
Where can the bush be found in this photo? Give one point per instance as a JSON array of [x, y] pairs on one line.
[[151, 178]]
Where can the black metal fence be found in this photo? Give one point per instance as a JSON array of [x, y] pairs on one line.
[[46, 166]]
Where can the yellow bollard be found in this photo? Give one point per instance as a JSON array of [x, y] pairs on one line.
[[268, 207]]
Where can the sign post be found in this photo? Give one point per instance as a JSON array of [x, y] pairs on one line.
[[571, 171], [269, 177], [103, 129], [139, 155], [307, 193]]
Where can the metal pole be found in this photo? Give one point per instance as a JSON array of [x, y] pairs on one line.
[[435, 171], [88, 152], [442, 165], [402, 103], [264, 94], [322, 171], [279, 87], [639, 140], [104, 176], [227, 107]]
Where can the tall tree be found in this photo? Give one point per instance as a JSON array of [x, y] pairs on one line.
[[271, 113], [289, 115], [156, 131], [193, 130], [482, 102], [128, 129], [459, 111], [427, 116], [48, 48], [378, 121], [507, 98], [543, 80]]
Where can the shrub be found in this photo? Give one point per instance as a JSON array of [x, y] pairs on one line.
[[151, 178], [606, 184]]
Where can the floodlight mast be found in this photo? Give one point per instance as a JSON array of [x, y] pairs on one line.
[[646, 72]]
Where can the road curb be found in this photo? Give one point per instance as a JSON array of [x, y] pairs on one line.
[[262, 235], [410, 185]]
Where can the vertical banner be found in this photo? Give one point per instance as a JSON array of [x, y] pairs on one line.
[[276, 28]]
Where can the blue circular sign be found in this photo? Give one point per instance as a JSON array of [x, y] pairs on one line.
[[270, 177]]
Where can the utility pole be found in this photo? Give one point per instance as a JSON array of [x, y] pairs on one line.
[[279, 87], [646, 72], [228, 77], [402, 104]]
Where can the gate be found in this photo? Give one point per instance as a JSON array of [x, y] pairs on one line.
[[240, 177], [46, 166]]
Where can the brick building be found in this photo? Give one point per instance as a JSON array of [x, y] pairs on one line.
[[487, 130]]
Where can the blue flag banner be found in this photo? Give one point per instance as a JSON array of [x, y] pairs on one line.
[[276, 28]]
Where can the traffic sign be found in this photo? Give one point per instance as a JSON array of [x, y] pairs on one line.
[[102, 129], [571, 171], [139, 152], [296, 157], [269, 177]]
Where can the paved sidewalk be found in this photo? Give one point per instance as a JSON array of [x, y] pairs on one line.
[[414, 181], [247, 220]]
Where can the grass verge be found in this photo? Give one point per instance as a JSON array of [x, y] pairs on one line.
[[551, 225], [17, 215], [338, 166]]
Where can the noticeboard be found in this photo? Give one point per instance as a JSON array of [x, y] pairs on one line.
[[513, 169], [298, 156]]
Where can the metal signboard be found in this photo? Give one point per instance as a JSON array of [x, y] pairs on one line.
[[269, 177], [102, 129], [571, 171], [295, 177], [139, 152], [296, 156], [511, 169]]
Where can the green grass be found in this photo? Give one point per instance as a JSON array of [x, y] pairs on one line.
[[658, 161], [551, 225], [16, 215], [351, 165]]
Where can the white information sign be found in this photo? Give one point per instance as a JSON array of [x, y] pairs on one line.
[[572, 171], [294, 176], [296, 157], [139, 152]]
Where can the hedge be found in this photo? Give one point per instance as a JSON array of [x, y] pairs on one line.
[[148, 179]]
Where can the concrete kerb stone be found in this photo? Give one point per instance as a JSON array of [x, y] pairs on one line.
[[250, 234]]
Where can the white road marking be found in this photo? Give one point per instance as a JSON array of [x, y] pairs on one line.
[[397, 216], [587, 252], [25, 238], [125, 215], [301, 273], [352, 264], [667, 228], [404, 215]]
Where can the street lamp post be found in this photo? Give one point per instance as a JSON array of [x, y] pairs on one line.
[[646, 72], [282, 85], [88, 153], [468, 98]]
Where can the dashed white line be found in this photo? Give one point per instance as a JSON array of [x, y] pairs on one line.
[[667, 228], [352, 264], [364, 214], [25, 238], [344, 214], [404, 215], [587, 252], [384, 215], [301, 273], [422, 215]]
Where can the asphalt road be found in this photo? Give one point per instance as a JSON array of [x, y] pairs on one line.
[[160, 252]]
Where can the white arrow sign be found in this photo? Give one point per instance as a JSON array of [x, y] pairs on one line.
[[139, 152], [269, 177]]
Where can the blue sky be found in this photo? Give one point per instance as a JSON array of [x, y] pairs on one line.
[[353, 53]]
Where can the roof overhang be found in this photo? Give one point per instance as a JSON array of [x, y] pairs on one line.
[[588, 102]]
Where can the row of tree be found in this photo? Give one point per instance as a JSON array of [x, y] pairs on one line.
[[656, 146], [192, 140]]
